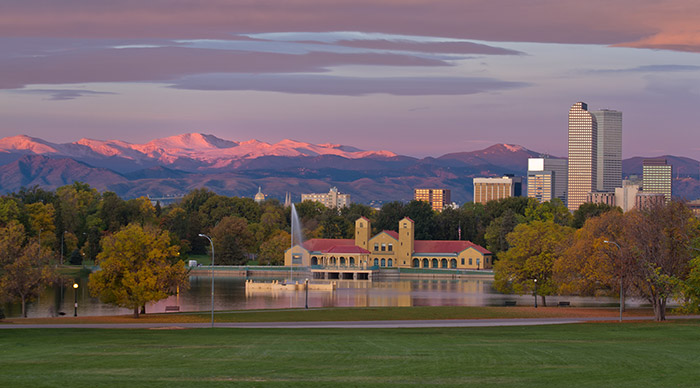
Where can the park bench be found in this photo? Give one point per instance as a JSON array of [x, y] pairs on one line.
[[172, 309], [564, 304], [509, 303]]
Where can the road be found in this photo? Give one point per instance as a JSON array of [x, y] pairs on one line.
[[340, 325]]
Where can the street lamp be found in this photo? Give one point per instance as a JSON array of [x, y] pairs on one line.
[[75, 300], [622, 304], [535, 293], [212, 276]]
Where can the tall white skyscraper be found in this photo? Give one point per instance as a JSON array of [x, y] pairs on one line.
[[583, 155], [609, 164], [546, 179]]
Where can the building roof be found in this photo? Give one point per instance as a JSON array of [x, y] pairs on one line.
[[446, 246], [394, 235], [346, 249], [324, 244]]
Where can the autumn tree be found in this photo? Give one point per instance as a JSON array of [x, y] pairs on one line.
[[533, 250], [24, 268], [137, 265], [657, 242]]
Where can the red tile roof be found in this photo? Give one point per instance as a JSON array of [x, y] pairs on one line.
[[346, 249], [323, 244], [446, 246]]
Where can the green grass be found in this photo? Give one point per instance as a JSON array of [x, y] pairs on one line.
[[584, 355]]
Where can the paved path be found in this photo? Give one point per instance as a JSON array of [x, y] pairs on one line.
[[341, 325]]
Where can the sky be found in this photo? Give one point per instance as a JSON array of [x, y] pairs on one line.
[[416, 77]]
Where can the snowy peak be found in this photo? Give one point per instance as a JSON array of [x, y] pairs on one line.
[[189, 151]]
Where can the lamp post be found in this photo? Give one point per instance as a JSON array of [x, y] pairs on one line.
[[212, 276], [622, 303], [535, 293], [306, 287], [75, 299]]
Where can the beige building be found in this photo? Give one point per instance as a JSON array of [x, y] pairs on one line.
[[645, 200], [606, 197], [437, 198], [657, 176], [609, 149], [389, 249], [489, 189], [625, 196], [333, 199], [583, 156]]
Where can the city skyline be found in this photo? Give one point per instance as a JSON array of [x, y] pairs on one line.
[[467, 73]]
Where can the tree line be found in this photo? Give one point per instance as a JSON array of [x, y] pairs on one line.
[[77, 224]]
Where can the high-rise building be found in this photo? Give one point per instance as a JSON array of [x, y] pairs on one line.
[[609, 163], [488, 189], [583, 155], [546, 179], [332, 200], [437, 198], [656, 177]]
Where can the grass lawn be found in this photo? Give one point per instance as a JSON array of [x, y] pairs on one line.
[[583, 355], [352, 314]]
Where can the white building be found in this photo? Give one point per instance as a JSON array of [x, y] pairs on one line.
[[332, 200], [546, 179]]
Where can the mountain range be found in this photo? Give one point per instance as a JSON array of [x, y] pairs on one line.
[[175, 165]]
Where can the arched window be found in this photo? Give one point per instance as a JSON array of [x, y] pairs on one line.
[[352, 261], [314, 260], [416, 263], [376, 262], [435, 263], [342, 261], [390, 263], [453, 263], [426, 263], [443, 263], [383, 262]]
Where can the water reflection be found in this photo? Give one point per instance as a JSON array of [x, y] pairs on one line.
[[230, 294]]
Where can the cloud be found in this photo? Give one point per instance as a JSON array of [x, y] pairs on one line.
[[429, 47], [169, 63], [668, 24], [653, 69], [345, 86], [63, 94]]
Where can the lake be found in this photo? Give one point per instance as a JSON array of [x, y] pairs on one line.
[[230, 294]]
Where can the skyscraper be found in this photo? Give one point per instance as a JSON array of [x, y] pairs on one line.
[[609, 169], [546, 179], [583, 155], [657, 175]]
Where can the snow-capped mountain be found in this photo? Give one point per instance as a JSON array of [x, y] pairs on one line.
[[190, 151]]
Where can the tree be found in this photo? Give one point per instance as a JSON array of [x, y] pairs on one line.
[[553, 210], [588, 210], [533, 250], [232, 240], [272, 250], [389, 216], [657, 242], [25, 268], [497, 232], [423, 217], [137, 265]]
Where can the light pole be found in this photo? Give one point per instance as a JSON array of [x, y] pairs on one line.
[[622, 303], [306, 287], [75, 299], [212, 276], [535, 293]]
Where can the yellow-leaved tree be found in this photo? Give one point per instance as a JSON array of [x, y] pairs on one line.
[[137, 265]]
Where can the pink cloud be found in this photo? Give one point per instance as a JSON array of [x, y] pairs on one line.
[[639, 23], [168, 63]]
